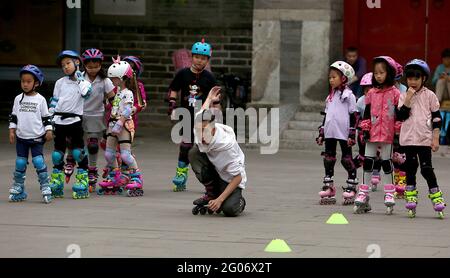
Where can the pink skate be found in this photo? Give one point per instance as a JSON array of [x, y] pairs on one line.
[[362, 200], [134, 187], [328, 193], [113, 183], [389, 200]]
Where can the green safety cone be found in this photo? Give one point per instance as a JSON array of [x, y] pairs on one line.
[[337, 219], [278, 246]]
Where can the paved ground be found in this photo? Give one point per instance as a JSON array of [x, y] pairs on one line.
[[282, 203]]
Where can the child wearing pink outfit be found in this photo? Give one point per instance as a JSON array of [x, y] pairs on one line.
[[378, 126]]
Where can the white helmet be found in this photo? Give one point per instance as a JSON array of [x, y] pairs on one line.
[[345, 68], [120, 69]]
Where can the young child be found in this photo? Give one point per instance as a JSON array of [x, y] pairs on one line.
[[378, 126], [218, 163], [94, 109], [194, 83], [30, 123], [339, 126], [67, 107], [419, 108], [121, 131]]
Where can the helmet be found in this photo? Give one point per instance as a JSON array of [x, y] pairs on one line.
[[92, 54], [137, 62], [202, 48], [345, 68], [35, 71], [398, 69], [67, 53], [120, 69], [366, 80], [421, 64]]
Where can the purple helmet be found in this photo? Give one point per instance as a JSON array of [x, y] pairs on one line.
[[135, 60], [35, 71], [420, 64], [92, 54]]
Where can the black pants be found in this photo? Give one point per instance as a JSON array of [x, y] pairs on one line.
[[206, 173], [330, 157], [414, 155], [74, 134]]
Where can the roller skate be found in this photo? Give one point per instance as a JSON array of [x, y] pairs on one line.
[[17, 191], [92, 176], [181, 177], [328, 193], [113, 184], [411, 194], [362, 200], [46, 191], [201, 204], [57, 183], [400, 186], [389, 200], [81, 186], [349, 192], [69, 168], [134, 187], [375, 180], [438, 202]]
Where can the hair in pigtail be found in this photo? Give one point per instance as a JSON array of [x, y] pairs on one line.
[[138, 91]]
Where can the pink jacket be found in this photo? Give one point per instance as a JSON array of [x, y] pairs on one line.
[[383, 103]]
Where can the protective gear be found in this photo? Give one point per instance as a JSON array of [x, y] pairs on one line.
[[172, 105], [52, 106], [366, 80], [68, 54], [13, 118], [329, 161], [21, 164], [320, 138], [202, 48], [79, 76], [117, 129], [92, 145], [347, 163], [137, 63], [78, 155], [399, 158], [399, 74], [388, 166], [120, 69], [366, 125], [421, 65], [110, 155], [127, 111], [57, 158], [127, 157], [39, 163], [398, 69], [345, 68], [35, 71], [92, 54], [352, 137], [369, 162]]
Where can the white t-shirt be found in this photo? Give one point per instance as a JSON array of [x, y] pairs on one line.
[[29, 113], [93, 106], [70, 94], [225, 154], [120, 101]]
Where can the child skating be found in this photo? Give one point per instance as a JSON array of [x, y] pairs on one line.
[[339, 126], [419, 136], [30, 127]]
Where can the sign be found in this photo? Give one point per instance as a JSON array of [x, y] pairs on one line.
[[120, 7]]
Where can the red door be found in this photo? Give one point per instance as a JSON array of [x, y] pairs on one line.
[[438, 30]]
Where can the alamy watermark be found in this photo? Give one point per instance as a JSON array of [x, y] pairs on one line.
[[73, 251], [373, 4], [73, 4]]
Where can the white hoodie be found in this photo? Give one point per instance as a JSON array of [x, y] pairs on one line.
[[225, 154]]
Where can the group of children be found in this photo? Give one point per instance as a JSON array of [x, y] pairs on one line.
[[395, 127]]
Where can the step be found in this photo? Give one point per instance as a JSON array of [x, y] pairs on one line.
[[308, 116], [300, 145], [304, 125], [300, 135]]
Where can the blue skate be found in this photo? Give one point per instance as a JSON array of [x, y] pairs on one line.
[[181, 177], [57, 183], [17, 191], [46, 191], [81, 186]]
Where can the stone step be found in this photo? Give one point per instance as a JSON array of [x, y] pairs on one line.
[[300, 145], [304, 125], [309, 116], [300, 135]]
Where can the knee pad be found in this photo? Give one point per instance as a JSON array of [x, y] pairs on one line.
[[329, 159], [369, 162], [388, 166], [92, 145], [78, 155], [39, 163], [347, 162], [127, 157], [110, 155], [57, 157], [21, 164]]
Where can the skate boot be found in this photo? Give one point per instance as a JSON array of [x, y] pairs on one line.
[[92, 176], [17, 191], [389, 200], [202, 202], [396, 175], [328, 193], [438, 201], [69, 168], [134, 187], [400, 186], [349, 192], [81, 186], [181, 177], [113, 184], [46, 192], [57, 183], [411, 194], [362, 200], [375, 180]]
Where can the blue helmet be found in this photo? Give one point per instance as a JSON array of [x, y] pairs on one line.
[[35, 71], [202, 48], [420, 64], [67, 53]]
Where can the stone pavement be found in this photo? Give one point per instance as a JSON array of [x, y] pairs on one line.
[[282, 202]]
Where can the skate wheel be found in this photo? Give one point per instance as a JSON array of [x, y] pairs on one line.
[[74, 195], [195, 211], [389, 210], [203, 210], [411, 213], [355, 209], [100, 191], [210, 212], [47, 199], [441, 215], [120, 191]]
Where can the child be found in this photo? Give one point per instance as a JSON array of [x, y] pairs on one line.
[[378, 127], [121, 131], [339, 126], [441, 78], [94, 109], [419, 135], [30, 123], [218, 163], [67, 107], [194, 83]]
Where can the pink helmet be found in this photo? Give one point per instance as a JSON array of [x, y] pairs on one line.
[[398, 69], [366, 80]]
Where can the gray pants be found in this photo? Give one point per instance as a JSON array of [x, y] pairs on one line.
[[206, 173]]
